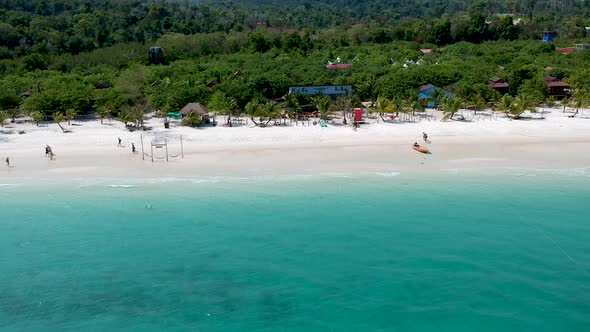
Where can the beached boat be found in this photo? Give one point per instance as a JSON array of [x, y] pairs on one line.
[[420, 148]]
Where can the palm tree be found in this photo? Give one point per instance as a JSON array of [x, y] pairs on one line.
[[252, 109], [71, 114], [37, 117], [439, 97], [102, 113], [57, 118], [416, 105], [291, 102], [548, 102], [269, 111], [292, 105], [192, 119], [324, 105], [220, 104], [383, 105], [504, 104], [576, 103], [125, 117], [3, 118], [13, 113], [136, 114], [478, 102], [565, 102], [342, 105], [231, 106], [524, 102], [450, 106]]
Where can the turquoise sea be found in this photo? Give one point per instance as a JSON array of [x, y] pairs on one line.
[[309, 253]]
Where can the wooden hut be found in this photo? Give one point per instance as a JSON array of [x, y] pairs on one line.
[[557, 88], [499, 84]]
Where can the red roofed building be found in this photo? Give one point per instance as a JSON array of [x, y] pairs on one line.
[[499, 84], [338, 66], [426, 87], [565, 50], [556, 87]]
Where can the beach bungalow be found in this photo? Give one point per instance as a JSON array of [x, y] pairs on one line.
[[427, 95], [198, 108], [556, 87], [499, 84], [548, 36]]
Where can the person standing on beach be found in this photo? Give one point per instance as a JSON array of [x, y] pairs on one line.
[[119, 144], [132, 148], [47, 149], [425, 136], [7, 162]]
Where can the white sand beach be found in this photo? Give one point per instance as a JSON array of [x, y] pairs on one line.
[[481, 143]]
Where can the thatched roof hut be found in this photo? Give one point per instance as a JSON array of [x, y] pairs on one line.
[[196, 107]]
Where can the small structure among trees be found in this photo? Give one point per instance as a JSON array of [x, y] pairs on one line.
[[194, 114], [499, 84], [429, 95], [548, 36], [156, 54], [557, 88]]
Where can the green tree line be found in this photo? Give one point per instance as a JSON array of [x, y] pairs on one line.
[[75, 26]]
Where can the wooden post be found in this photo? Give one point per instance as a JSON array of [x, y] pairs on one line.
[[152, 145], [181, 147], [142, 154], [166, 142]]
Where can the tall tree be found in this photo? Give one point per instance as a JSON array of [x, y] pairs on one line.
[[58, 117]]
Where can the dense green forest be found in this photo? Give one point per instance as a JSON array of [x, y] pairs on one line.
[[74, 26], [72, 56]]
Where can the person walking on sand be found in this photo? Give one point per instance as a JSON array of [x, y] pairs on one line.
[[47, 149], [425, 136], [7, 162], [119, 144], [132, 148]]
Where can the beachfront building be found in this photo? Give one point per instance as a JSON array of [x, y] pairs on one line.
[[198, 108], [427, 95], [499, 84], [557, 88], [328, 90]]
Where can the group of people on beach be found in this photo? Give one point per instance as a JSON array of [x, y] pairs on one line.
[[119, 144]]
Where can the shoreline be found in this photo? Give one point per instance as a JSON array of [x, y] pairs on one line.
[[90, 151]]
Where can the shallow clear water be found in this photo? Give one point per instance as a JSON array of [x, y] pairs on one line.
[[374, 253]]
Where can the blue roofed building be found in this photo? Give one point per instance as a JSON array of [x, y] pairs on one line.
[[548, 36], [427, 95]]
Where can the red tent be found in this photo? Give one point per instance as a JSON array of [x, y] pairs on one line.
[[358, 114]]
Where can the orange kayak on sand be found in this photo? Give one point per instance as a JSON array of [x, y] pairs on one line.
[[420, 148]]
